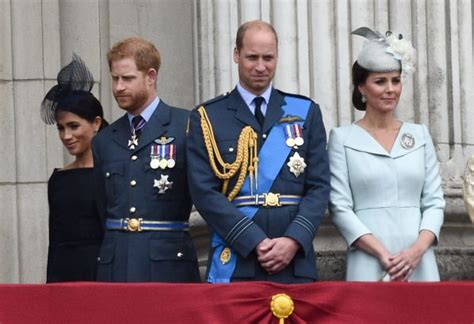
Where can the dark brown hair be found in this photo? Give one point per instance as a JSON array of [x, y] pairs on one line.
[[359, 76]]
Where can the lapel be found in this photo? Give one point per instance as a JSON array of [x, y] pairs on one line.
[[242, 111], [274, 110], [121, 131], [156, 126], [360, 140], [408, 129]]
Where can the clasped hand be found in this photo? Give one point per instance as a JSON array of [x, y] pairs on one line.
[[401, 265], [275, 254]]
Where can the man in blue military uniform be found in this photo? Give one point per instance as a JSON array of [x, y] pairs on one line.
[[140, 170], [258, 171]]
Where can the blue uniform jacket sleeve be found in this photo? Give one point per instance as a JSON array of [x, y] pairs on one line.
[[224, 218], [317, 184]]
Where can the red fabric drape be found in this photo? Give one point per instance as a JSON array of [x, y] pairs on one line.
[[323, 302]]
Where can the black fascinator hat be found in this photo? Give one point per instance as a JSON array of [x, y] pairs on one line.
[[72, 94]]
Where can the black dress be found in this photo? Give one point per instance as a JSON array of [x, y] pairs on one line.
[[75, 230]]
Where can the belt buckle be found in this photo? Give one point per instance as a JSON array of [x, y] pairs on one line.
[[271, 200], [134, 224]]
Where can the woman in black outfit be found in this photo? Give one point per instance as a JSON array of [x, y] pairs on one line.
[[75, 229]]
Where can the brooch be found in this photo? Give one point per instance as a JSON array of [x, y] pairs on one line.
[[407, 141]]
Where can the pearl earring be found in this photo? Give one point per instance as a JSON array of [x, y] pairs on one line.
[[363, 99]]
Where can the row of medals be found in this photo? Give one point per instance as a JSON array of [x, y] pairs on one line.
[[162, 156], [294, 139], [294, 135]]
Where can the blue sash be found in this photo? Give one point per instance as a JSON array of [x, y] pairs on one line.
[[272, 157]]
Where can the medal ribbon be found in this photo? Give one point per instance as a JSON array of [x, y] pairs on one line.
[[171, 152], [162, 151], [272, 157], [298, 131], [154, 151]]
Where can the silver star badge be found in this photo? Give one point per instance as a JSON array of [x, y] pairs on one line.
[[163, 184], [133, 142], [296, 164]]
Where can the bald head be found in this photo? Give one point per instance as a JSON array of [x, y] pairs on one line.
[[256, 25]]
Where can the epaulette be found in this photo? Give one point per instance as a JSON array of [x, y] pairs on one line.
[[293, 95], [216, 99]]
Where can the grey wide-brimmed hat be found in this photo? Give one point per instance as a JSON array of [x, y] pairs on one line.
[[385, 53]]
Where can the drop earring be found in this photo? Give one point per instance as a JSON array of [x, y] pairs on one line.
[[363, 99]]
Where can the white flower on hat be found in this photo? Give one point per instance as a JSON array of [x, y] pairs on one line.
[[385, 53], [402, 50]]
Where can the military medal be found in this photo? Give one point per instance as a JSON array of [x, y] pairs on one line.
[[290, 140], [296, 164], [299, 134], [163, 184], [133, 142], [154, 157], [154, 163], [171, 156], [407, 141], [163, 161]]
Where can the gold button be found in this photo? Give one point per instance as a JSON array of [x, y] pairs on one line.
[[132, 210], [107, 174], [231, 149], [179, 255], [133, 183], [134, 157]]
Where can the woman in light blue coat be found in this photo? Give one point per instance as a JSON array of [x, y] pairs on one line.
[[386, 197]]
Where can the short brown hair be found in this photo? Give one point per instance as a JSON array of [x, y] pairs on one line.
[[144, 53], [257, 24]]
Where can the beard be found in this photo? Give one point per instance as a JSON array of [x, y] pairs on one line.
[[132, 101]]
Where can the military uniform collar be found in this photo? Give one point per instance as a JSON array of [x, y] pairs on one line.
[[147, 112], [249, 96]]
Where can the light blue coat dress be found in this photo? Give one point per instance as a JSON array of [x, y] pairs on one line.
[[391, 195]]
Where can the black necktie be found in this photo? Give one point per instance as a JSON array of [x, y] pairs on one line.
[[138, 122], [258, 110]]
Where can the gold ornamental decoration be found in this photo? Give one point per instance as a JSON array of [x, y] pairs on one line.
[[246, 158], [282, 306]]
